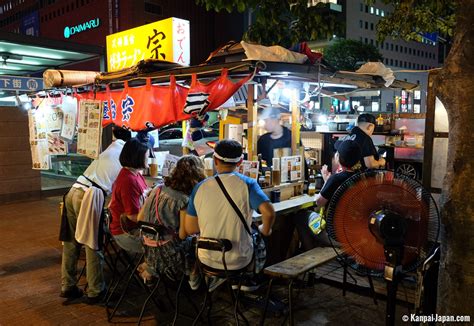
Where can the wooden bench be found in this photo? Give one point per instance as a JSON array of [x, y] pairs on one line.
[[294, 267]]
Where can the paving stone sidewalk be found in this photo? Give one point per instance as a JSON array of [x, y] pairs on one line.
[[30, 261]]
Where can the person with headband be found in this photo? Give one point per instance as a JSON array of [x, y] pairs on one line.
[[217, 218]]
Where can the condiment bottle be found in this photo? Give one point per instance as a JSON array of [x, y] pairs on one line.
[[276, 176], [268, 178]]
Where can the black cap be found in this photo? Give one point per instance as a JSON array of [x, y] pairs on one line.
[[349, 152], [366, 117], [229, 151]]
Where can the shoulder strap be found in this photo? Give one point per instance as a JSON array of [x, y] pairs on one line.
[[232, 203], [157, 196], [95, 184]]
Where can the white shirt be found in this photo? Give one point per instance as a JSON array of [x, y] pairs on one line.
[[217, 218], [105, 169]]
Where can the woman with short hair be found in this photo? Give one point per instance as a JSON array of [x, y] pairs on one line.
[[128, 195]]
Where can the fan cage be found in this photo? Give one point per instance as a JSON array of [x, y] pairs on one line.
[[348, 216]]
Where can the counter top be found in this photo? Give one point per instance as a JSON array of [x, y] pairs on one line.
[[290, 205], [393, 146], [346, 132]]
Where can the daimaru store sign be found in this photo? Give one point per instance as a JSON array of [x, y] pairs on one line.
[[71, 30]]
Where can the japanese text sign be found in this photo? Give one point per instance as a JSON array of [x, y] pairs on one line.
[[16, 83], [167, 40]]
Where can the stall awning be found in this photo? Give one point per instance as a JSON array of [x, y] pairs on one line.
[[268, 70]]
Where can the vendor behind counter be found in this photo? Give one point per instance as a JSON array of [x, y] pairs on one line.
[[277, 136]]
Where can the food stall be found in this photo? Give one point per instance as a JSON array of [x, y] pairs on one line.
[[153, 94]]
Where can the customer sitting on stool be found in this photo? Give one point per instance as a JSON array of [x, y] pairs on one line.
[[347, 156], [211, 214]]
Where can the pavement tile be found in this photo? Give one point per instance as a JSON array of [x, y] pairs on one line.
[[30, 285]]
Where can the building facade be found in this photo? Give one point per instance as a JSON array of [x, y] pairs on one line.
[[361, 22], [90, 21]]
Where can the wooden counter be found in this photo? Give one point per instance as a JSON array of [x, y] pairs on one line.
[[291, 205]]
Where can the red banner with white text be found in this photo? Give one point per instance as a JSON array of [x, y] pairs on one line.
[[153, 106]]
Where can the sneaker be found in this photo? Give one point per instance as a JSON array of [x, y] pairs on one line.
[[72, 293], [214, 282], [194, 281], [97, 299], [247, 286]]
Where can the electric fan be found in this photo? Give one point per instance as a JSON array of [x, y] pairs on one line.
[[387, 223]]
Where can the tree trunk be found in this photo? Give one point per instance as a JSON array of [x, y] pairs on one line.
[[455, 88]]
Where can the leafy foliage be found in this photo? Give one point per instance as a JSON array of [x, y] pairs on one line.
[[350, 54], [410, 18], [282, 22]]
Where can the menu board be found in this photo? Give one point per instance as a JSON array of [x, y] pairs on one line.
[[249, 169], [68, 126], [44, 123], [89, 133], [169, 164], [56, 145], [291, 168], [40, 155]]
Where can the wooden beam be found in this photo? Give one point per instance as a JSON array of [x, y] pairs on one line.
[[252, 122], [295, 123]]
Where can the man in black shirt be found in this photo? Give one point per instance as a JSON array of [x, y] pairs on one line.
[[277, 136], [369, 157], [347, 155]]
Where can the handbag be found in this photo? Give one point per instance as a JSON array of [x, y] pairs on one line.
[[259, 248], [165, 253]]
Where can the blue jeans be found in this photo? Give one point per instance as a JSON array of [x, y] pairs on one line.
[[72, 249]]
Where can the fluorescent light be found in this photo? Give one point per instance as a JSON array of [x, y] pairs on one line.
[[10, 67], [25, 62]]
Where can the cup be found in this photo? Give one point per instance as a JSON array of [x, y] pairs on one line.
[[153, 166], [276, 177], [208, 167], [275, 196]]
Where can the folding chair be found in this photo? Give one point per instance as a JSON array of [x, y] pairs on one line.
[[154, 235], [222, 245], [131, 264]]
